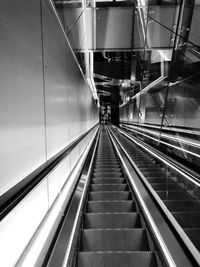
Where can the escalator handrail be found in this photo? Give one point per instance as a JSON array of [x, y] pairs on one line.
[[177, 166], [187, 130], [169, 261], [140, 129], [180, 233], [69, 230], [44, 243]]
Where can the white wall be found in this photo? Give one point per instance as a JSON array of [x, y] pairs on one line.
[[44, 106], [40, 113]]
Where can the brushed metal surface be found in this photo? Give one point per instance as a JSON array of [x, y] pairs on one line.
[[22, 137], [111, 206], [194, 30], [109, 187], [18, 227], [111, 220], [40, 80], [114, 240], [157, 35], [119, 259], [66, 104], [55, 81], [114, 27], [188, 219], [113, 195]]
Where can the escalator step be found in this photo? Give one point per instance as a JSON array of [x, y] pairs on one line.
[[194, 235], [114, 240], [105, 161], [187, 219], [150, 169], [110, 195], [107, 175], [111, 206], [106, 169], [102, 165], [173, 195], [109, 187], [155, 174], [182, 205], [111, 220], [160, 180], [117, 259], [108, 180], [167, 186]]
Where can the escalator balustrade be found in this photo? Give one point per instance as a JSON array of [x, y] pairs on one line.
[[176, 194], [113, 232]]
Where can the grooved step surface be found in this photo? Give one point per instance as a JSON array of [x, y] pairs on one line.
[[194, 235], [182, 205], [119, 259], [166, 186], [106, 165], [111, 206], [107, 170], [173, 195], [188, 219], [114, 240], [109, 187], [108, 181], [107, 175], [110, 195], [111, 220]]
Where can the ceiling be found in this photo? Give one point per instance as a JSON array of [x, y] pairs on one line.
[[113, 46]]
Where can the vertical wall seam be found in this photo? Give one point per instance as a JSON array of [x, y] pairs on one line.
[[44, 92]]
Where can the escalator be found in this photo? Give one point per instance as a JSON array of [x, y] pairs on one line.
[[113, 220], [177, 194], [112, 232]]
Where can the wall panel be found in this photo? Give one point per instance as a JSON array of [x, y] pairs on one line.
[[45, 104], [39, 114], [22, 132], [55, 82], [19, 226]]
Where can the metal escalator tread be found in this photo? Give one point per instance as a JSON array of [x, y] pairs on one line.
[[170, 189], [112, 233]]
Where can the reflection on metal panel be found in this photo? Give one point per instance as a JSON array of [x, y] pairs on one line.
[[114, 28], [71, 17], [24, 104], [55, 79], [157, 35], [194, 35], [18, 227], [22, 138], [79, 28], [42, 88]]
